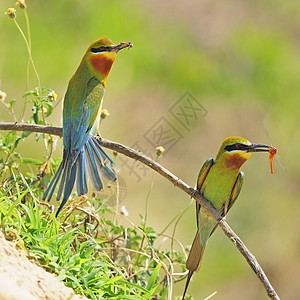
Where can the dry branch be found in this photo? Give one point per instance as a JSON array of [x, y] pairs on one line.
[[137, 155], [31, 128]]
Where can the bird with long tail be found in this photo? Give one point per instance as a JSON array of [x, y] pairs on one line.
[[82, 153], [220, 182]]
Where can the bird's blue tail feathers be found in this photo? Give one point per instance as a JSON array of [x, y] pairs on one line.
[[92, 158]]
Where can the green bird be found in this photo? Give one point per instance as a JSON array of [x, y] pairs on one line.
[[220, 182], [82, 153]]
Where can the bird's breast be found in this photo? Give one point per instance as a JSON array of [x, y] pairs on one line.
[[218, 185], [235, 161], [102, 63]]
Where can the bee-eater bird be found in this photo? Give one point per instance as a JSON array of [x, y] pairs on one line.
[[220, 182], [81, 108]]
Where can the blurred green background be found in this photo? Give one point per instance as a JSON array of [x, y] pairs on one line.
[[240, 60]]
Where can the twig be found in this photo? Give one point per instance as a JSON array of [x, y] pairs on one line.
[[31, 127], [137, 155]]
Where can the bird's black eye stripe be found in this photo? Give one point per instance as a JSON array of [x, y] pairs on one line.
[[236, 146], [101, 49]]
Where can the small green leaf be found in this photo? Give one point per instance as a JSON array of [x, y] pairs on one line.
[[37, 136], [33, 161], [153, 277], [11, 103], [49, 110], [62, 275], [35, 114], [25, 134]]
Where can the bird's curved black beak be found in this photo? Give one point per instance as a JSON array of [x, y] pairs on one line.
[[258, 148], [113, 48]]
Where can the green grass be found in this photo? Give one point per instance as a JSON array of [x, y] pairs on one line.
[[87, 250]]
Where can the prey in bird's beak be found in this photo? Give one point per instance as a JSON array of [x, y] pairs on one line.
[[264, 148], [121, 46], [113, 48]]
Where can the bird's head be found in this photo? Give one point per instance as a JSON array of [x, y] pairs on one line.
[[101, 55], [235, 151]]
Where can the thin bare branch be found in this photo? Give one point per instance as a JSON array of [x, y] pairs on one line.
[[31, 127], [173, 179]]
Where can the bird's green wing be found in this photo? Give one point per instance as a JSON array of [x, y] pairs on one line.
[[95, 93], [203, 172], [80, 107], [235, 192], [201, 177]]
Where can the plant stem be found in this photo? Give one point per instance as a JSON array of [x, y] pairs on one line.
[[29, 52]]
